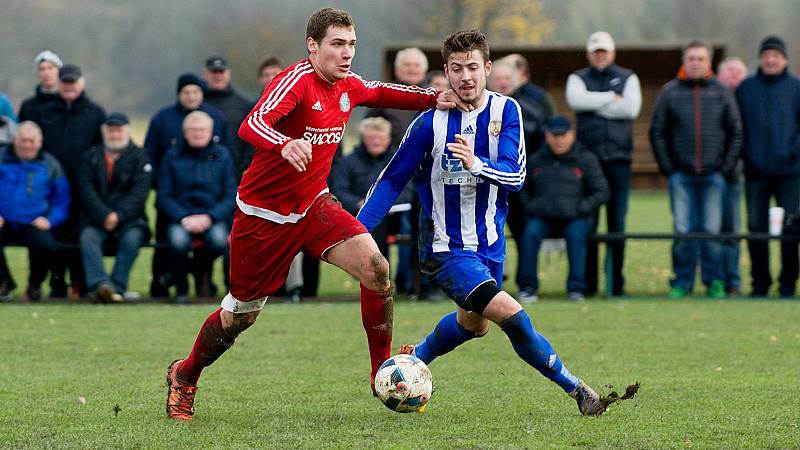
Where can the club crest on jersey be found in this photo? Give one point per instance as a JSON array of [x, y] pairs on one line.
[[495, 127], [344, 102]]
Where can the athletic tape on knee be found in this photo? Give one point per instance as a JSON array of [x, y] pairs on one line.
[[230, 304], [480, 297]]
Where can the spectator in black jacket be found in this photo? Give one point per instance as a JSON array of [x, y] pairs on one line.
[[233, 105], [114, 182], [564, 187], [607, 99], [47, 66], [356, 172], [770, 106], [71, 126], [696, 136], [197, 193]]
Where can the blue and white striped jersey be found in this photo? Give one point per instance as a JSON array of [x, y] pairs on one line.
[[464, 210]]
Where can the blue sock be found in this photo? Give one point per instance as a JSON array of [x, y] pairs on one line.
[[537, 351], [447, 335]]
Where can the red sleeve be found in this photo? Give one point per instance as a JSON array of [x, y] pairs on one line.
[[377, 94], [278, 100]]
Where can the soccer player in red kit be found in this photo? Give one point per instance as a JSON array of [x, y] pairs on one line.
[[283, 202]]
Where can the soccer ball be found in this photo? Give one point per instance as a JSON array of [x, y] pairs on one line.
[[404, 384]]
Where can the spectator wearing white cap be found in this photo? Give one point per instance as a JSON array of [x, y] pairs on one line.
[[606, 99], [47, 65]]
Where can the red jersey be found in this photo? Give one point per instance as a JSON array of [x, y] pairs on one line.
[[299, 104]]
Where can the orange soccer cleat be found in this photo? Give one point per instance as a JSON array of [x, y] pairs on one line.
[[180, 397]]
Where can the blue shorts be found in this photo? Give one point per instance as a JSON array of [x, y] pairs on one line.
[[459, 272]]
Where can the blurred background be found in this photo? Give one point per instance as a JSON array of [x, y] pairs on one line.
[[132, 52]]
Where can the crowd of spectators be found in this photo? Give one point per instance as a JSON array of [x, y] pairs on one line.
[[70, 174]]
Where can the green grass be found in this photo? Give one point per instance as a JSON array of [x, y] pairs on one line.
[[713, 375]]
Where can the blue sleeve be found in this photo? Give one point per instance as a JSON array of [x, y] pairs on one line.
[[394, 178], [6, 109], [58, 198], [222, 211], [508, 171], [151, 144], [165, 199]]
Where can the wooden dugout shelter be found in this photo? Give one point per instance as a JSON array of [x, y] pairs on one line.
[[550, 67]]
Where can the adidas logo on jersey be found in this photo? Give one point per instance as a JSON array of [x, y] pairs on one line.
[[317, 106], [469, 130]]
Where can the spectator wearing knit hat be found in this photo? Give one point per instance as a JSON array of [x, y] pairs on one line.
[[165, 133], [770, 105], [47, 65]]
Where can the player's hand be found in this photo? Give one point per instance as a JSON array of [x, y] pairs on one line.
[[449, 100], [461, 150], [41, 223], [298, 153], [111, 222]]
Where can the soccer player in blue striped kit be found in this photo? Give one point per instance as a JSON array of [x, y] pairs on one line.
[[463, 193]]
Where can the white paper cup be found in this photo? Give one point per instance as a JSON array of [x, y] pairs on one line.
[[775, 220]]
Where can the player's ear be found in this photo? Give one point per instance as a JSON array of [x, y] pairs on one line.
[[311, 45], [487, 66]]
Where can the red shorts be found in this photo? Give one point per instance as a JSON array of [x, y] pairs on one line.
[[262, 250]]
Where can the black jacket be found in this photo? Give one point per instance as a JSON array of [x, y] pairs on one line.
[[354, 174], [70, 130], [696, 128], [125, 194], [563, 187], [536, 106], [609, 139], [29, 107], [235, 108]]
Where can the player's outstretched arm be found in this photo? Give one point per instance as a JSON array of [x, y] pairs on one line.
[[391, 182]]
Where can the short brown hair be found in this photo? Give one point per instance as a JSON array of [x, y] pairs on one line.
[[270, 62], [698, 43], [465, 41], [323, 18]]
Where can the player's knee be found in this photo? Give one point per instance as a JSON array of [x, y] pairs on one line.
[[238, 322], [377, 273]]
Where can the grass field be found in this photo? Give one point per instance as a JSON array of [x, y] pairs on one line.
[[714, 375]]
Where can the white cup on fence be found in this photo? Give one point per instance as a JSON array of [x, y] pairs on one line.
[[775, 220]]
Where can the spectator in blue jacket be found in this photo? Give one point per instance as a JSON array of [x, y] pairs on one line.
[[34, 199], [770, 106], [197, 194], [166, 132], [5, 107]]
